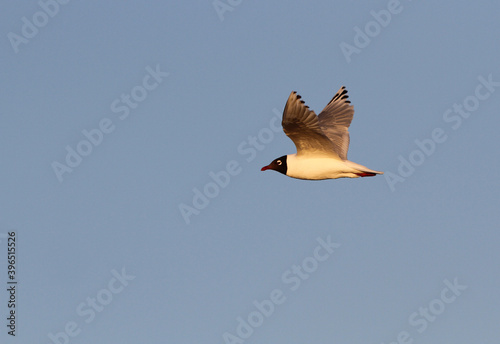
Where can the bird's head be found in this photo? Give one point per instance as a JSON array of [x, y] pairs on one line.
[[278, 164]]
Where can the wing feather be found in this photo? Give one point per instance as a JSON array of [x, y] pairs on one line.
[[335, 120], [302, 126]]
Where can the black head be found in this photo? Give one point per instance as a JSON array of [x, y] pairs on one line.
[[277, 165]]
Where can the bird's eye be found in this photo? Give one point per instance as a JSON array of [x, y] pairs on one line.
[[278, 162]]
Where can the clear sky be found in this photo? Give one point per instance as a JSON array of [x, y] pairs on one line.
[[132, 137]]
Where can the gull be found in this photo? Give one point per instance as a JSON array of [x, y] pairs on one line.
[[321, 140]]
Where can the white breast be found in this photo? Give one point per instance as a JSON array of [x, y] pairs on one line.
[[317, 168]]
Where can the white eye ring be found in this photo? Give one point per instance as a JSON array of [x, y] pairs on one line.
[[278, 162]]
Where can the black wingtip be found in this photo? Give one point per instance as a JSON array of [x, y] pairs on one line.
[[341, 94]]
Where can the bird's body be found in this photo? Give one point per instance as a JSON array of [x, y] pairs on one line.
[[322, 141], [318, 168]]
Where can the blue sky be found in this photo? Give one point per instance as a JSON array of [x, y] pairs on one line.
[[117, 116]]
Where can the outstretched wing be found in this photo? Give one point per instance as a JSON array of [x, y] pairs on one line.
[[335, 120], [302, 126]]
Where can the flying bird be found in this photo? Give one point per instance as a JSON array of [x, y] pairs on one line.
[[321, 140]]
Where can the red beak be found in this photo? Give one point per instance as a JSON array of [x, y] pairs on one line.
[[265, 168]]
